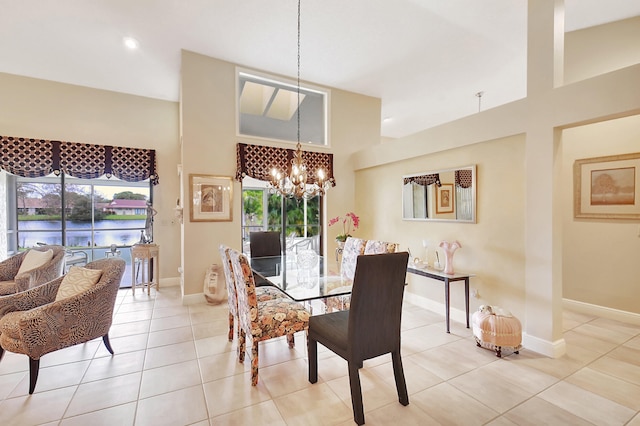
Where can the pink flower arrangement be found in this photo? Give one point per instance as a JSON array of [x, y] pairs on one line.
[[349, 220]]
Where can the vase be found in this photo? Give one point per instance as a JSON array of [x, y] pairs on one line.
[[449, 250], [340, 244]]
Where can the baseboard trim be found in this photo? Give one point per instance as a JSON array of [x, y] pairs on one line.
[[601, 311], [544, 347], [169, 282], [193, 299], [457, 315]]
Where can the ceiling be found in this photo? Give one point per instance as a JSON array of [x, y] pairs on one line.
[[425, 59]]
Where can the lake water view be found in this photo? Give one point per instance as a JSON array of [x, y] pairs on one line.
[[79, 234]]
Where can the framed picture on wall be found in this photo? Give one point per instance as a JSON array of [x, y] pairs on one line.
[[444, 198], [607, 187], [211, 198]]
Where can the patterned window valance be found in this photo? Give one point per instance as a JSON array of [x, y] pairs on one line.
[[424, 180], [38, 157], [464, 178], [257, 161]]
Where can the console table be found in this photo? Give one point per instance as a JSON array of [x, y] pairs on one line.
[[446, 278], [149, 257]]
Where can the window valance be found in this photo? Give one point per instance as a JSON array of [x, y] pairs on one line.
[[424, 180], [39, 157], [463, 178], [257, 161]]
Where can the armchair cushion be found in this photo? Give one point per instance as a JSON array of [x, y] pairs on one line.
[[34, 259], [76, 281]]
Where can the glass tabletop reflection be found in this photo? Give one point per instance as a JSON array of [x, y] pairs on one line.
[[302, 276]]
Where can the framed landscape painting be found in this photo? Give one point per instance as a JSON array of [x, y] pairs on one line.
[[607, 187], [211, 198]]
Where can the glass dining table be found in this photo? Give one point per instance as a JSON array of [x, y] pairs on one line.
[[303, 276]]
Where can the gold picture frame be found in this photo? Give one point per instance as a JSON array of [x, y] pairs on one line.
[[607, 187], [211, 198], [445, 198]]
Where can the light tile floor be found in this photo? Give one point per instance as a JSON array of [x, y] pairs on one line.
[[174, 366]]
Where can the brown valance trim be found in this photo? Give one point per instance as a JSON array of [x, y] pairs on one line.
[[424, 180], [257, 161], [463, 178], [39, 157]]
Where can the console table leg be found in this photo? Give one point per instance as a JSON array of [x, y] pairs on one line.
[[446, 301], [466, 298]]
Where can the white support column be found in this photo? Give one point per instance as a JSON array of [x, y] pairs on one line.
[[543, 233]]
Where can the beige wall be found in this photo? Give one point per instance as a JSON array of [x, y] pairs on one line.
[[43, 109], [600, 257], [493, 248], [613, 45], [209, 147]]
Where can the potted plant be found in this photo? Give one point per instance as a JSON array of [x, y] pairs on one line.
[[349, 222]]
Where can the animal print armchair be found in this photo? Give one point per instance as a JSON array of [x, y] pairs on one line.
[[16, 276], [61, 313]]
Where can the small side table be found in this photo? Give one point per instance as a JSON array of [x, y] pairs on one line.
[[149, 257]]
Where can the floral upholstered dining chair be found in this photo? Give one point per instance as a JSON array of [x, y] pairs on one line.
[[259, 321], [262, 293], [353, 248]]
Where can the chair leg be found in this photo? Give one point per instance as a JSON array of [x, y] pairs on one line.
[[401, 384], [254, 363], [105, 339], [241, 346], [312, 350], [34, 367], [356, 392], [1, 352], [230, 327], [291, 340]]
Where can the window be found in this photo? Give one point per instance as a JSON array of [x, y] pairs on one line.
[[268, 109], [262, 211], [84, 215]]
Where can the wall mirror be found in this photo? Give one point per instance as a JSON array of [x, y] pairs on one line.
[[443, 195]]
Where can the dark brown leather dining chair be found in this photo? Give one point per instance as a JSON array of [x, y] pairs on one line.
[[370, 328], [265, 243]]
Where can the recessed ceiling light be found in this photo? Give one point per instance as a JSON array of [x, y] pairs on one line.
[[131, 42], [387, 119]]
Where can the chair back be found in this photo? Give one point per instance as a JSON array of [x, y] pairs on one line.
[[376, 304], [265, 243], [245, 291], [353, 247], [104, 293], [229, 278], [379, 247]]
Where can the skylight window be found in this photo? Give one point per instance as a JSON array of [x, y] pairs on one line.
[[267, 108]]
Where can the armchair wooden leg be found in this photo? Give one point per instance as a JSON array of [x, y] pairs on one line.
[[291, 341], [356, 393], [34, 367], [312, 350], [107, 344], [1, 352], [401, 384]]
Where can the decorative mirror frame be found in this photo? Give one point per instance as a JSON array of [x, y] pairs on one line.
[[431, 195]]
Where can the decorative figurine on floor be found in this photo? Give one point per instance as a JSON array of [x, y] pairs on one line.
[[449, 249]]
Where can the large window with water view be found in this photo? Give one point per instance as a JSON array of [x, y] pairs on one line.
[[92, 218]]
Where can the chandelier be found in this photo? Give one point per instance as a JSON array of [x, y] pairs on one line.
[[295, 185]]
